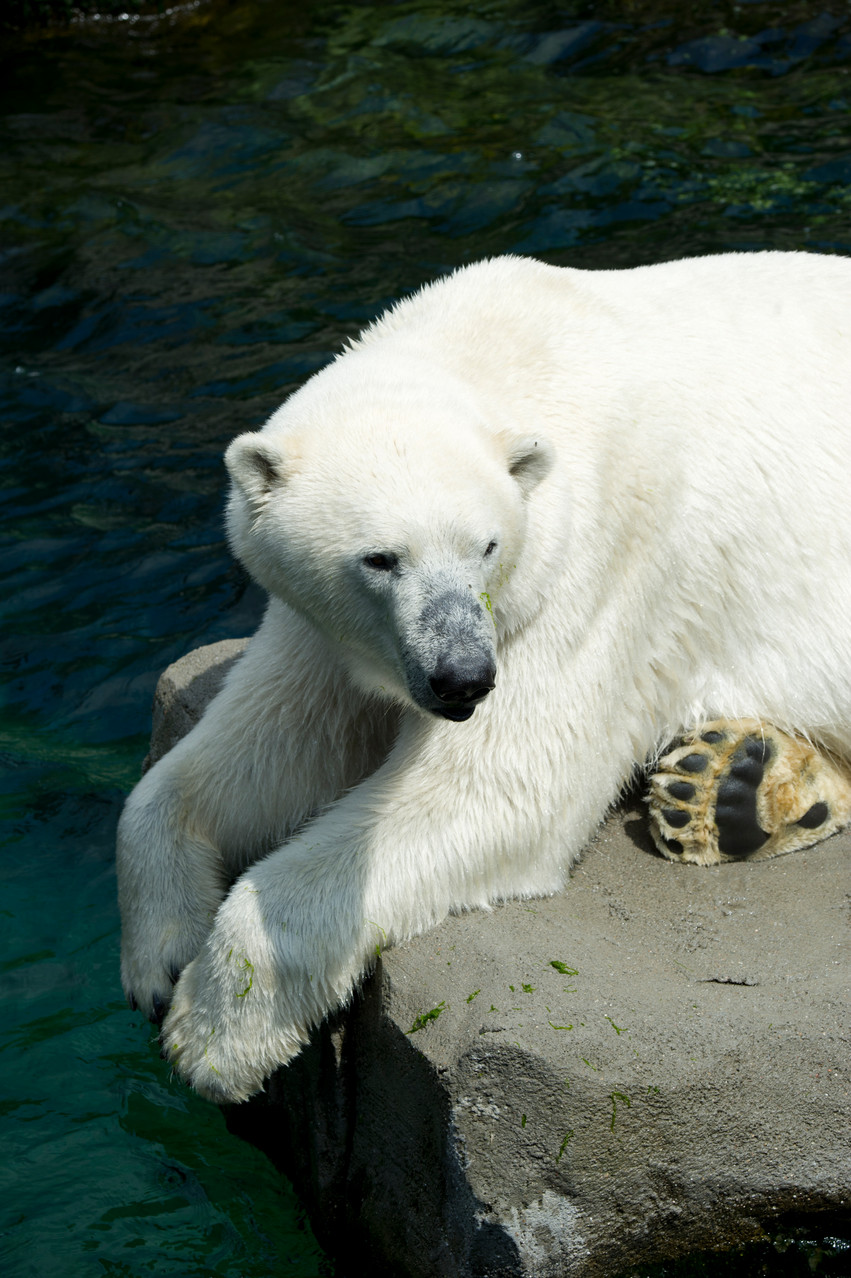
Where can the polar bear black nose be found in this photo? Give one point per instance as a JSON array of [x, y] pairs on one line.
[[462, 686]]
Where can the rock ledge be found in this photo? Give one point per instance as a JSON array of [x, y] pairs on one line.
[[653, 1062]]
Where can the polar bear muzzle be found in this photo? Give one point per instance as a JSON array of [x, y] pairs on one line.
[[450, 657]]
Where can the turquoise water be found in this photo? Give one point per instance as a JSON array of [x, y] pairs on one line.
[[195, 213]]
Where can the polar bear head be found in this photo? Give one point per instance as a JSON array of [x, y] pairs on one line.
[[383, 506]]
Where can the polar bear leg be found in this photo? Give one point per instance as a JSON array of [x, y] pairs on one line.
[[286, 735], [740, 790], [429, 831]]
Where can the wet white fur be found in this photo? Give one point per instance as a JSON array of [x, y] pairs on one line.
[[686, 556]]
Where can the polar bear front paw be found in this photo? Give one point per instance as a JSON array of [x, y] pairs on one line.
[[227, 1030], [737, 790], [151, 962]]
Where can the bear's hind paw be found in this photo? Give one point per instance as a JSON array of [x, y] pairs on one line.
[[741, 790]]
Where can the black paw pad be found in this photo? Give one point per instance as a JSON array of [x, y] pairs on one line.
[[694, 762], [675, 818], [681, 790], [712, 737], [739, 831], [816, 816], [756, 748]]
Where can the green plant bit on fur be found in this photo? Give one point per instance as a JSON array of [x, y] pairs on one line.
[[424, 1017], [486, 600], [470, 997], [378, 943], [563, 968], [245, 965], [568, 1137], [615, 1097]]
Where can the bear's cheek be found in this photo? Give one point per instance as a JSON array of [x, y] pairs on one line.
[[355, 622]]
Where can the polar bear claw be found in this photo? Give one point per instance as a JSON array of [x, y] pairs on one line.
[[743, 790]]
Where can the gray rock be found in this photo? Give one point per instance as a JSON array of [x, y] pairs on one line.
[[184, 690], [654, 1061]]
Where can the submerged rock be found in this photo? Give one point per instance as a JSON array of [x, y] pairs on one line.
[[652, 1062]]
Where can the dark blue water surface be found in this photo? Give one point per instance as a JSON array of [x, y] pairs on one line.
[[195, 212]]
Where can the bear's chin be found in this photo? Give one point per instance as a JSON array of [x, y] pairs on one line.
[[459, 715]]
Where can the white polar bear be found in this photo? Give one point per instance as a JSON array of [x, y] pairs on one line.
[[523, 530]]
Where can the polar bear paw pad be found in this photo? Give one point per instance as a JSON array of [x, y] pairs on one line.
[[741, 790]]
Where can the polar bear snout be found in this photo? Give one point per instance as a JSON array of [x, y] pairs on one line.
[[460, 686], [450, 656]]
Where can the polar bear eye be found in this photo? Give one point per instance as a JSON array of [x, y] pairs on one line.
[[381, 563], [490, 549]]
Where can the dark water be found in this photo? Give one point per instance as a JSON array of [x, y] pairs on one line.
[[195, 212]]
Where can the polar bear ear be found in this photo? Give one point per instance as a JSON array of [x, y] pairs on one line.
[[529, 461], [256, 464]]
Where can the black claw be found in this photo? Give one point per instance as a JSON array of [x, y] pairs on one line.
[[693, 762], [816, 816], [131, 1000], [156, 1017], [739, 831], [675, 818], [712, 738], [681, 790], [174, 974], [673, 845]]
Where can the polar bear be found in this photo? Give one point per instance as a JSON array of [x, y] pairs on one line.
[[527, 528]]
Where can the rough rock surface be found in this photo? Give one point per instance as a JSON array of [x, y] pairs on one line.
[[654, 1061], [183, 691]]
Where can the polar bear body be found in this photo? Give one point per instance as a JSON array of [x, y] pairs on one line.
[[620, 497]]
